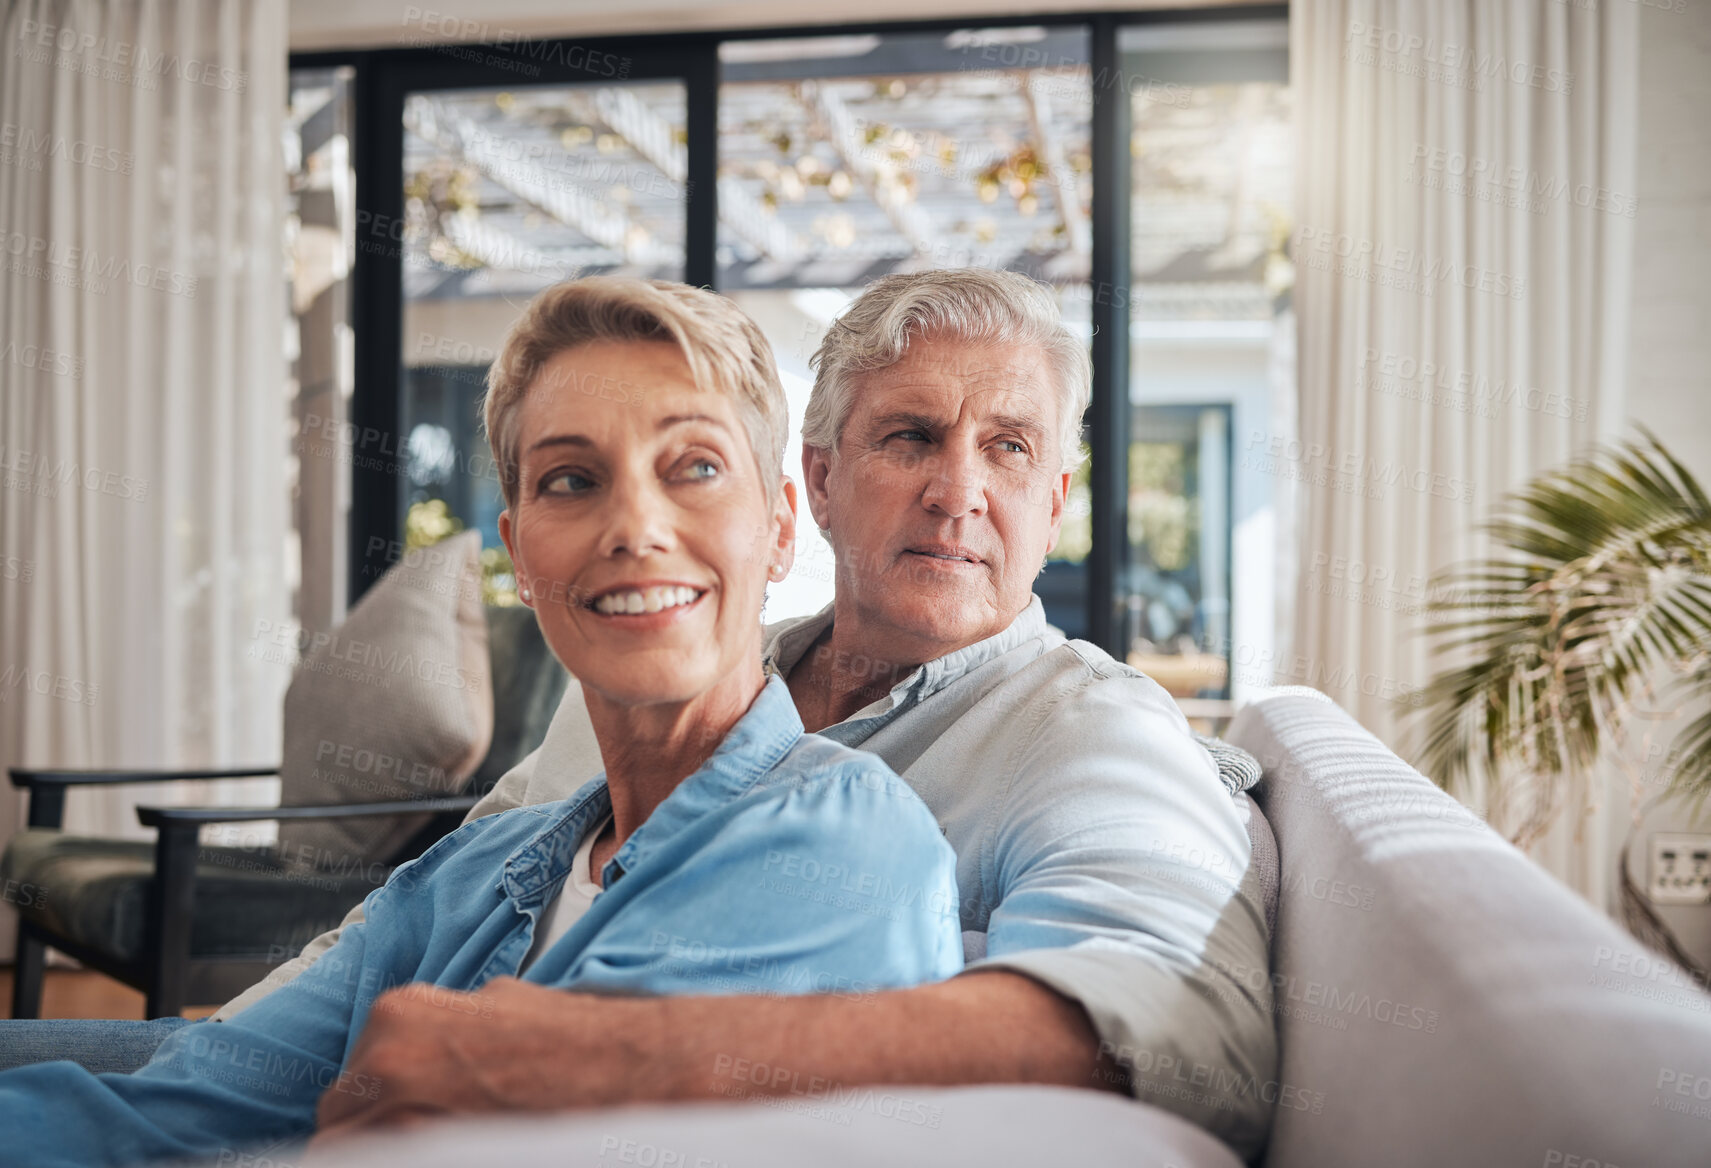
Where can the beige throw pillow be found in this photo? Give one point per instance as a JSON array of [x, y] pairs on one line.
[[397, 704]]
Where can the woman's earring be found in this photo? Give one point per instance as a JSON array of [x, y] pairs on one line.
[[525, 595]]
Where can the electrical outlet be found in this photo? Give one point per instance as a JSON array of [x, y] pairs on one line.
[[1681, 870]]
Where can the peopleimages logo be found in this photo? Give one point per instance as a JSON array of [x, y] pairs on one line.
[[1172, 1076], [25, 141], [773, 1078], [363, 658], [38, 474], [1458, 59], [140, 60], [32, 252], [1405, 268], [1529, 186], [45, 683], [1402, 375], [447, 27]]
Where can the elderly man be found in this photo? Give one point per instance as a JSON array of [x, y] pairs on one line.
[[1100, 862]]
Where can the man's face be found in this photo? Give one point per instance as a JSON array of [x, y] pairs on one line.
[[944, 495]]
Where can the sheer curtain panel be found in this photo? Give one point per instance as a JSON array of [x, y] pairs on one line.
[[1463, 258], [142, 372]]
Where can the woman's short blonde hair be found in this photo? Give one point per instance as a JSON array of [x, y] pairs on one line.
[[726, 353]]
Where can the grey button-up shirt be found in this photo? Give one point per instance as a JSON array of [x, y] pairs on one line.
[[1097, 850]]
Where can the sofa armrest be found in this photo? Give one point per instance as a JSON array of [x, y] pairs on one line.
[[1424, 968], [47, 786]]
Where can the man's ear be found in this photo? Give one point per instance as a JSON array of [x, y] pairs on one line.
[[507, 534], [784, 516], [1060, 496], [816, 467]]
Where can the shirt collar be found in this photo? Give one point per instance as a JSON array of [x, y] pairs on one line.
[[751, 748], [788, 640]]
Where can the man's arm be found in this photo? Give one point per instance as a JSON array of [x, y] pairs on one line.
[[1122, 869], [516, 1046]]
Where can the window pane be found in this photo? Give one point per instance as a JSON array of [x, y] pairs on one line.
[[320, 243], [844, 158], [506, 193], [1211, 206]]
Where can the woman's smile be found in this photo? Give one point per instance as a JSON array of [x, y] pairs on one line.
[[646, 604]]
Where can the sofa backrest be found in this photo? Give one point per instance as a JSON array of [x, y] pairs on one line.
[[1442, 1000]]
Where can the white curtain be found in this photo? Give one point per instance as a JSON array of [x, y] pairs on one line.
[[1463, 253], [142, 419]]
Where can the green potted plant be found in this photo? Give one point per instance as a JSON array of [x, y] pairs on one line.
[[1596, 608]]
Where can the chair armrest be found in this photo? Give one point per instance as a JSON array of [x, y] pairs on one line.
[[178, 817], [31, 778], [47, 787]]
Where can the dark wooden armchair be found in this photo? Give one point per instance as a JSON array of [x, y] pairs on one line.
[[189, 924]]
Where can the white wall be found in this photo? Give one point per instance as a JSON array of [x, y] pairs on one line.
[[1669, 364]]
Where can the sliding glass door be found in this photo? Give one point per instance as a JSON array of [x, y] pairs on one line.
[[1138, 165]]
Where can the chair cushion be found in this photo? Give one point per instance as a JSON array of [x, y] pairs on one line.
[[397, 704], [95, 892], [528, 684]]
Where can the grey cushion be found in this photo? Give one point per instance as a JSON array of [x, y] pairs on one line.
[[1441, 999], [247, 904], [397, 704], [1237, 769], [1261, 880]]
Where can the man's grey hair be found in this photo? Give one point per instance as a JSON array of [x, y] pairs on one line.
[[972, 305]]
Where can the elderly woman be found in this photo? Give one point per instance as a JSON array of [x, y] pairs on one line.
[[640, 430]]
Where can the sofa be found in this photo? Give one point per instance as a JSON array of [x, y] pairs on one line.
[[1439, 1001]]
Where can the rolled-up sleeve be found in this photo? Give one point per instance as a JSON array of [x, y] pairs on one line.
[[1119, 862]]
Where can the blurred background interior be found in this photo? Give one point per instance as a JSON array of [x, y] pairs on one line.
[[1285, 452]]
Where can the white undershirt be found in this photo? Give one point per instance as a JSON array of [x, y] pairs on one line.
[[574, 896]]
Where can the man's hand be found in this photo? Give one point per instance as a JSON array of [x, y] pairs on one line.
[[511, 1046], [516, 1046]]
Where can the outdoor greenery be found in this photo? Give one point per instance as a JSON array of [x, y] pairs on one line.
[[431, 521], [1597, 608], [1603, 588]]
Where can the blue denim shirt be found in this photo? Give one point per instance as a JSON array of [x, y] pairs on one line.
[[786, 864]]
